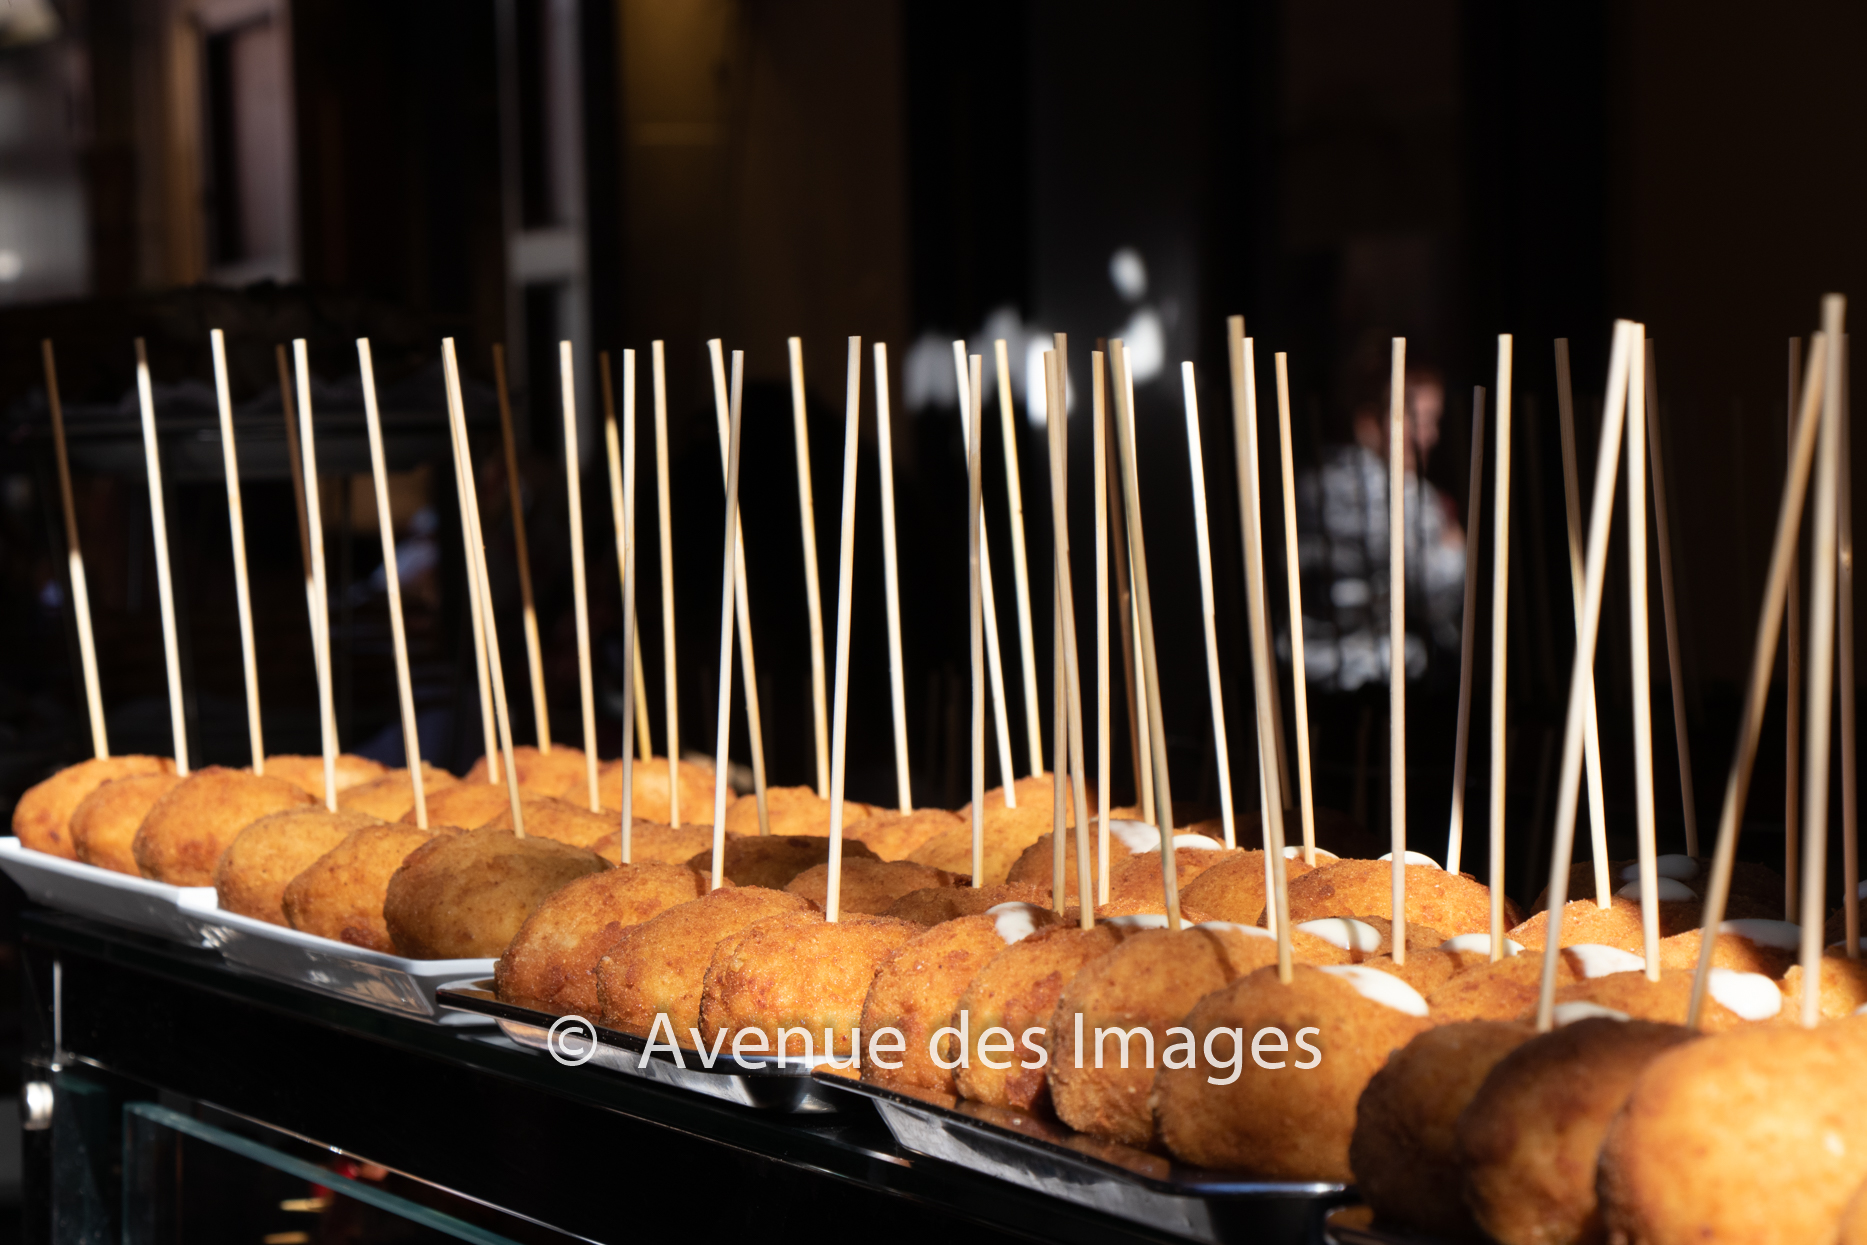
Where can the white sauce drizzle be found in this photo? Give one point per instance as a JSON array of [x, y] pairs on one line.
[[1781, 935], [1198, 842], [1668, 866], [1140, 920], [1569, 1013], [1669, 890], [1014, 921], [1254, 931], [1479, 944], [1751, 995], [1344, 932], [1379, 987], [1292, 853], [1136, 836], [1594, 959]]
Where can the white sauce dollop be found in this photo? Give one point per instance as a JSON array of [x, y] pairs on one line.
[[1414, 858], [1136, 836], [1198, 842], [1594, 959], [1344, 932], [1782, 935], [1479, 944], [1379, 987], [1669, 890], [1292, 853], [1140, 920], [1751, 995], [1669, 866], [1014, 921], [1254, 931], [1569, 1013]]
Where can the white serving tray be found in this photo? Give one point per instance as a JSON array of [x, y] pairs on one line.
[[88, 890], [389, 983]]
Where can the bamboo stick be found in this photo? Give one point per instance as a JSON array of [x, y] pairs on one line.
[[1500, 638], [1397, 638], [74, 562], [897, 684], [670, 684], [1299, 670], [1014, 487], [1675, 654], [158, 522], [845, 583], [1071, 682], [534, 659], [1099, 401], [236, 527], [994, 662], [580, 590], [1468, 623], [1642, 677], [813, 593], [742, 601], [1196, 463], [321, 610], [975, 549]]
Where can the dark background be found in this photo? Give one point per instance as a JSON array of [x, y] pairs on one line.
[[1337, 171]]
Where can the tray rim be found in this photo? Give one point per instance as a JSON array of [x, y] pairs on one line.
[[1218, 1185], [477, 996], [165, 896], [207, 908]]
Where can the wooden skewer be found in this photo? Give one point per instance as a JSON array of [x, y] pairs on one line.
[[1500, 633], [622, 518], [670, 685], [845, 588], [897, 685], [1675, 655], [1821, 668], [1844, 626], [236, 526], [728, 605], [639, 695], [1057, 421], [1397, 637], [392, 581], [158, 522], [975, 530], [475, 613], [1014, 487], [1059, 708], [534, 653], [1468, 625], [755, 731], [476, 567], [1597, 801], [1250, 517], [1123, 603], [580, 593], [1142, 723], [994, 662], [1099, 402], [813, 595], [320, 584], [1637, 589], [1792, 699], [74, 562], [1144, 612], [1263, 664], [636, 692], [1299, 670], [1581, 682], [1196, 462], [1762, 662]]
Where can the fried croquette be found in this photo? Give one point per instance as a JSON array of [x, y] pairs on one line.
[[263, 859], [649, 786], [1035, 864], [551, 962], [1284, 1106], [660, 966], [918, 988], [1618, 925], [896, 836], [1842, 991], [392, 796], [1142, 906], [1017, 991], [791, 810], [651, 841], [1425, 971], [1495, 991], [469, 805], [561, 772], [773, 860], [461, 896], [104, 824], [1034, 795], [42, 818], [1365, 937], [1754, 1136], [1404, 1151], [1529, 1138], [308, 772], [934, 905], [870, 886], [191, 824], [1451, 902], [1749, 946], [1233, 889], [340, 894], [564, 820], [1732, 999], [1756, 890], [1138, 876], [1003, 843], [1853, 1228], [794, 977], [1149, 982]]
